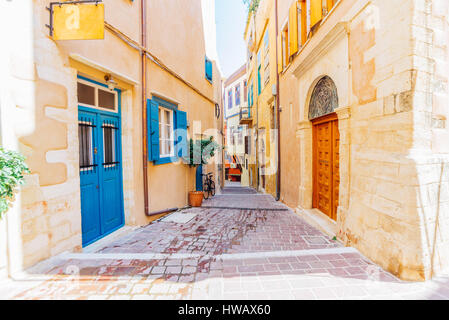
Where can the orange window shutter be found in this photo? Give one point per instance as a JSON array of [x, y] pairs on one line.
[[316, 11], [280, 54], [303, 22], [293, 28], [330, 4]]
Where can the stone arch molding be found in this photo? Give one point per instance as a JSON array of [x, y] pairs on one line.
[[324, 98]]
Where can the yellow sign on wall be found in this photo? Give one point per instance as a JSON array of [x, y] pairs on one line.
[[78, 22]]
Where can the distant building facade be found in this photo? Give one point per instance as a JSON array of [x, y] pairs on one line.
[[236, 103]]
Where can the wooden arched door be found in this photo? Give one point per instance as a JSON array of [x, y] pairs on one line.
[[326, 165], [326, 147]]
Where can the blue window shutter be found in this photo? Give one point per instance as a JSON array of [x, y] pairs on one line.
[[208, 66], [181, 139], [153, 130]]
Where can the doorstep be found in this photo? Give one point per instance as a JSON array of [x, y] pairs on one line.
[[319, 220], [103, 242]]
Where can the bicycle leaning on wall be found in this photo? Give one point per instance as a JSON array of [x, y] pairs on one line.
[[208, 186]]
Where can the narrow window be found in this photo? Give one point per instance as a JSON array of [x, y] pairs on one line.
[[85, 145], [96, 96], [109, 142], [208, 67], [106, 99], [245, 91], [266, 41], [86, 94], [166, 141], [240, 135], [237, 95]]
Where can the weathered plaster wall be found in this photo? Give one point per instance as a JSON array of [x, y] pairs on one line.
[[393, 193], [40, 103], [42, 109], [430, 152]]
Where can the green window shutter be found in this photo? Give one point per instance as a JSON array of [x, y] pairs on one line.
[[153, 130], [181, 134]]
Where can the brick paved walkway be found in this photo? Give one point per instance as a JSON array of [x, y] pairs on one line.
[[219, 251]]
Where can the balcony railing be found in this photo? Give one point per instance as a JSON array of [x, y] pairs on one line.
[[245, 115]]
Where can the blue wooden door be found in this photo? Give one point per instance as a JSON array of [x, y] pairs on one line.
[[89, 175], [100, 173], [110, 173]]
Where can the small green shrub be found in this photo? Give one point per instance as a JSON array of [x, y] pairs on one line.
[[252, 5], [12, 169], [200, 151]]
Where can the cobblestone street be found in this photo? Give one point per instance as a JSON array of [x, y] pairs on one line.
[[220, 251]]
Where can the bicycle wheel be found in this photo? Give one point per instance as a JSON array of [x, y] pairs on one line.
[[206, 191], [212, 188]]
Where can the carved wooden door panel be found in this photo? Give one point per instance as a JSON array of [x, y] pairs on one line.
[[335, 168], [326, 176]]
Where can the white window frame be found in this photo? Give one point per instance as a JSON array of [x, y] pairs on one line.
[[96, 87], [163, 142]]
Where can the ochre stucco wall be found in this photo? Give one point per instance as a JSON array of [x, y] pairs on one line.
[[169, 184], [393, 194], [261, 111], [46, 219]]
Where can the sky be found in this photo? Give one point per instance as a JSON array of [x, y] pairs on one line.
[[230, 16]]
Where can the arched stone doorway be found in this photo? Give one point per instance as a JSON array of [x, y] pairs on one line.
[[326, 145]]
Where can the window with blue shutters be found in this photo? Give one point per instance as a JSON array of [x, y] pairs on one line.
[[167, 131], [252, 94], [230, 99], [208, 67], [237, 95]]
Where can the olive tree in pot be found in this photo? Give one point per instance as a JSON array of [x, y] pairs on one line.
[[12, 169], [199, 153]]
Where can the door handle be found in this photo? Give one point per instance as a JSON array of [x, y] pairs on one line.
[[95, 150]]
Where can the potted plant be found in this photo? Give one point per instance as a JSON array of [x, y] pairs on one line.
[[199, 153], [12, 169]]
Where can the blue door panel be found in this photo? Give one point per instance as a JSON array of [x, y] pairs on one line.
[[89, 175], [90, 222], [112, 215], [101, 181], [111, 173]]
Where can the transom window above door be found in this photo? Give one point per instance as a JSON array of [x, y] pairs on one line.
[[166, 137], [97, 96]]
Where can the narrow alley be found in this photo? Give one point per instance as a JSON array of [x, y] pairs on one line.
[[239, 245]]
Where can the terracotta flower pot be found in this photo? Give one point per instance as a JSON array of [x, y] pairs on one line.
[[195, 198]]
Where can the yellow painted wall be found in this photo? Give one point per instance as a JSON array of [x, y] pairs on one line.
[[261, 111], [43, 115], [170, 183]]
